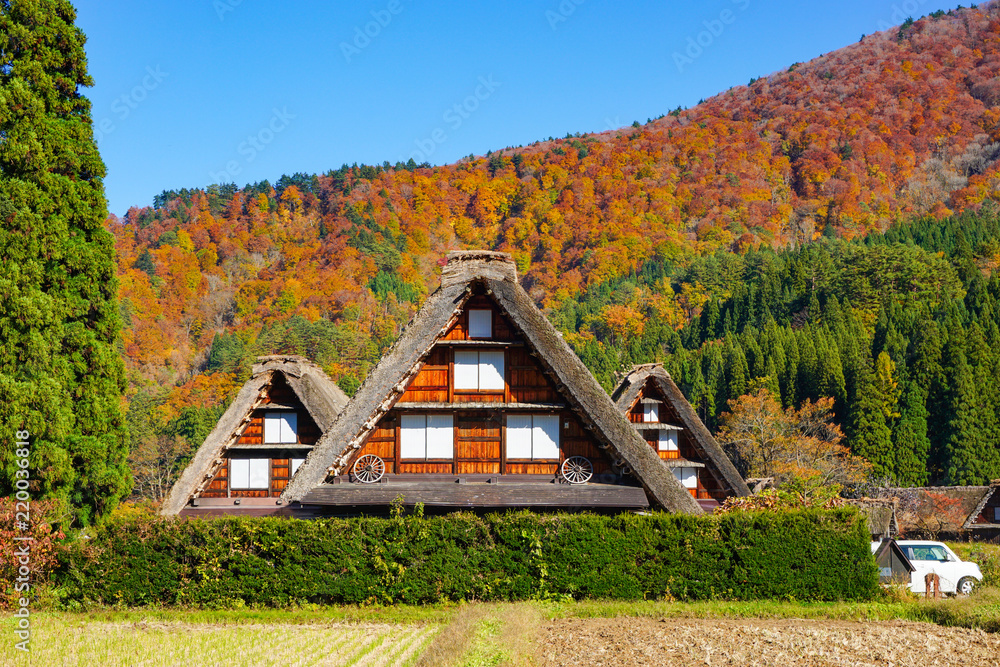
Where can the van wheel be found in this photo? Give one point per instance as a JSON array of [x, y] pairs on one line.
[[965, 585]]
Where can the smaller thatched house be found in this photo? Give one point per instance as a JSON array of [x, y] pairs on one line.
[[481, 405], [984, 519], [264, 436], [657, 409], [935, 512]]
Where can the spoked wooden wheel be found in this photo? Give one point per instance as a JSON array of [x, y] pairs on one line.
[[577, 470], [369, 469]]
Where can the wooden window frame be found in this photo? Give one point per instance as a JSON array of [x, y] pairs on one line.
[[229, 474], [504, 440], [457, 390], [468, 324], [399, 439]]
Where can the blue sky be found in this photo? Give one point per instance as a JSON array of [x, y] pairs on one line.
[[195, 92]]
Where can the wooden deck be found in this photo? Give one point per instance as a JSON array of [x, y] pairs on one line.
[[480, 494]]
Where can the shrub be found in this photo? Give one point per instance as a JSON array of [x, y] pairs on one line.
[[806, 554]]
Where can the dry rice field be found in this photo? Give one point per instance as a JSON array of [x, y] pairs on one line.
[[809, 643]]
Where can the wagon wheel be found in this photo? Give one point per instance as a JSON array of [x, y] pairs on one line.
[[577, 469], [369, 469]]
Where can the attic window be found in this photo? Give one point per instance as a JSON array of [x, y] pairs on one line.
[[650, 412], [281, 428], [688, 477], [479, 370], [480, 323], [248, 473]]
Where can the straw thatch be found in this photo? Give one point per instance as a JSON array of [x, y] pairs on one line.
[[322, 399], [626, 394], [385, 384], [970, 521]]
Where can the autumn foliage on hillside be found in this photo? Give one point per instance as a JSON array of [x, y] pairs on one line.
[[903, 124]]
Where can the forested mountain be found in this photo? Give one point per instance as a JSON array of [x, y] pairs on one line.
[[741, 241]]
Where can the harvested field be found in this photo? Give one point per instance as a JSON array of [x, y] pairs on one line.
[[170, 644], [640, 641]]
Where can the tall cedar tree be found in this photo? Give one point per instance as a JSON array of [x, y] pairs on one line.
[[61, 377]]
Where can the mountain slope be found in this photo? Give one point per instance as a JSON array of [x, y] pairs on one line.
[[903, 124]]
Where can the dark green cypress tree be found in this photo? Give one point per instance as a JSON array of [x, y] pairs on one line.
[[61, 377], [868, 436], [911, 446], [964, 446]]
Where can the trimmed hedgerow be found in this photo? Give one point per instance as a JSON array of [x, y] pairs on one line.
[[803, 555]]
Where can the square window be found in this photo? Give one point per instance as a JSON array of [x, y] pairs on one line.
[[479, 370], [281, 427], [688, 477], [650, 412], [426, 437], [249, 473], [295, 463], [668, 441], [533, 437], [480, 324]]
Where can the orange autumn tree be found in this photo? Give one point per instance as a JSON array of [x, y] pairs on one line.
[[800, 448]]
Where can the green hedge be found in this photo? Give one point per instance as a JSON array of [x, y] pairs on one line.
[[802, 555]]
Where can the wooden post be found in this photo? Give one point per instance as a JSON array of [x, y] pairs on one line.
[[932, 582]]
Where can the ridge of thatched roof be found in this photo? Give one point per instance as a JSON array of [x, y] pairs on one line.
[[320, 396], [627, 391], [497, 273], [977, 510]]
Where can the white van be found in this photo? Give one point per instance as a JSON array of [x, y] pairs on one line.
[[957, 576]]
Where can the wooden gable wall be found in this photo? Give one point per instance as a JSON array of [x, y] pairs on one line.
[[478, 431], [279, 474], [709, 485]]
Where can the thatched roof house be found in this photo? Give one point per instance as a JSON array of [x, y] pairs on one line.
[[482, 404], [657, 409], [265, 434], [935, 511], [984, 519]]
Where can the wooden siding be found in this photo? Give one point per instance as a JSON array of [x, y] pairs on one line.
[[479, 435], [279, 471], [708, 484], [503, 330]]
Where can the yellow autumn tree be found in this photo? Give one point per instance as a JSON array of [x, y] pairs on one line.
[[802, 449]]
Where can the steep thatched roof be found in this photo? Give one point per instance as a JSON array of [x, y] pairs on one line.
[[321, 397], [881, 515], [934, 510], [626, 393], [970, 521], [385, 384]]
